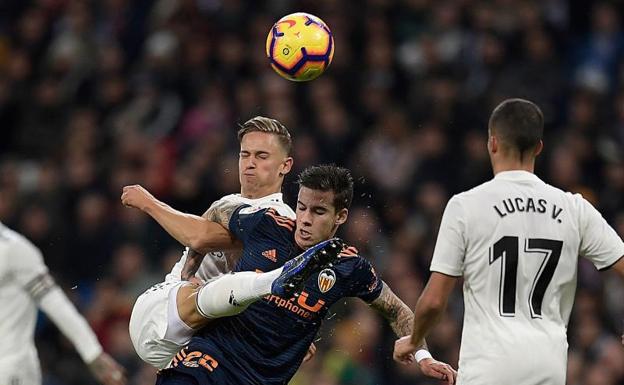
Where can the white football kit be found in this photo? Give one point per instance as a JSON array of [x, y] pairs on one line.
[[156, 330], [24, 285], [516, 241]]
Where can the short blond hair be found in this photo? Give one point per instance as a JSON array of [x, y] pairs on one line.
[[268, 125]]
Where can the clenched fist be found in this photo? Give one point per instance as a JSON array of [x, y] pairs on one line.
[[136, 196]]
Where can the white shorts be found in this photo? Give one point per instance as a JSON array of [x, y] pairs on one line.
[[156, 330]]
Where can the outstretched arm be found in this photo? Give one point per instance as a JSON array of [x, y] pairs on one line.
[[395, 311], [27, 268], [196, 232], [401, 319], [429, 309], [619, 268]]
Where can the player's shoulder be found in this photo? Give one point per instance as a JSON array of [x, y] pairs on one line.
[[574, 200], [279, 208], [274, 216], [265, 215], [18, 245]]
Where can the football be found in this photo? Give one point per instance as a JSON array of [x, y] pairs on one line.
[[300, 47]]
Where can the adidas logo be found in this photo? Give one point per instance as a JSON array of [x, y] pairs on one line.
[[270, 254]]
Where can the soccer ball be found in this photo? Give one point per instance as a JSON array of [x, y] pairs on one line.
[[300, 47]]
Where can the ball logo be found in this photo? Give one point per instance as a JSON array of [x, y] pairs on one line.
[[326, 280]]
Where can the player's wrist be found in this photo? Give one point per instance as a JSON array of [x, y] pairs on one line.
[[149, 205], [422, 354]]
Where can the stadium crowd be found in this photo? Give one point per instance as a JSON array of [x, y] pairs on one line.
[[95, 95]]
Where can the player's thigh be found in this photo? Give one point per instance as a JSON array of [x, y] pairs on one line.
[[149, 324]]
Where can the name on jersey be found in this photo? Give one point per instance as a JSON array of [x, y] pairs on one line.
[[527, 205]]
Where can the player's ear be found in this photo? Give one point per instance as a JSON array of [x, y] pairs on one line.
[[492, 144], [539, 148], [341, 216], [286, 166]]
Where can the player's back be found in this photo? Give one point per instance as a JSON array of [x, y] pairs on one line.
[[521, 239], [20, 263]]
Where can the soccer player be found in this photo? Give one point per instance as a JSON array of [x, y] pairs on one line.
[[515, 240], [266, 343], [26, 284], [165, 317]]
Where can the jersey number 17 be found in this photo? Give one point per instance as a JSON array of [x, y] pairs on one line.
[[507, 248]]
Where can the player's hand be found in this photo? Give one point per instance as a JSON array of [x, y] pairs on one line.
[[311, 352], [107, 370], [404, 350], [136, 196], [440, 370]]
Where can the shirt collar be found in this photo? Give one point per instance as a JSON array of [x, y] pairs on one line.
[[516, 175]]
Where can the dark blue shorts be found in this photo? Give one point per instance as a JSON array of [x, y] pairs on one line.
[[192, 366]]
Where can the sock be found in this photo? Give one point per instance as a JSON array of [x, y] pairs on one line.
[[231, 294]]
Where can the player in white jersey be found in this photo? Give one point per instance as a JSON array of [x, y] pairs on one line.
[[26, 284], [515, 240], [166, 316]]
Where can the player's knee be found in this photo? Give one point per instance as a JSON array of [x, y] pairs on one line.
[[186, 306]]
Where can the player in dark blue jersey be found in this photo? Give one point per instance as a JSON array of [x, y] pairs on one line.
[[266, 344]]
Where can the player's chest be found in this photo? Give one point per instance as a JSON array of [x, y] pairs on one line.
[[320, 292]]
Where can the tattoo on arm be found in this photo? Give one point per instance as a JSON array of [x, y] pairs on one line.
[[398, 314], [191, 265], [219, 212]]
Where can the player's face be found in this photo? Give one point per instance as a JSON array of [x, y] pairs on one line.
[[317, 219], [262, 164]]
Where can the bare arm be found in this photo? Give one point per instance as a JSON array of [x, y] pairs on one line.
[[431, 304], [196, 232], [619, 266], [398, 314], [193, 258], [401, 318]]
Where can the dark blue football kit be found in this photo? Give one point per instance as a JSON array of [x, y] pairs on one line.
[[265, 344]]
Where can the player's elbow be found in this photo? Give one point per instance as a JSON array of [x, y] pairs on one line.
[[199, 239], [210, 238]]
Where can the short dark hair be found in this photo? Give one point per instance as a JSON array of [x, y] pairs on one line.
[[329, 178], [518, 123], [268, 125]]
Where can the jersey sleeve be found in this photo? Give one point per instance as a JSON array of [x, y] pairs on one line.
[[244, 221], [367, 285], [450, 248], [26, 262], [599, 241]]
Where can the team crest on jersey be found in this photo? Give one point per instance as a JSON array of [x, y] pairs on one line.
[[326, 280]]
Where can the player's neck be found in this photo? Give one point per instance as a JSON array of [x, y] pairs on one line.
[[501, 165], [259, 193]]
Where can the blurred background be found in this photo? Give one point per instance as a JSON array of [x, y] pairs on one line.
[[98, 94]]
